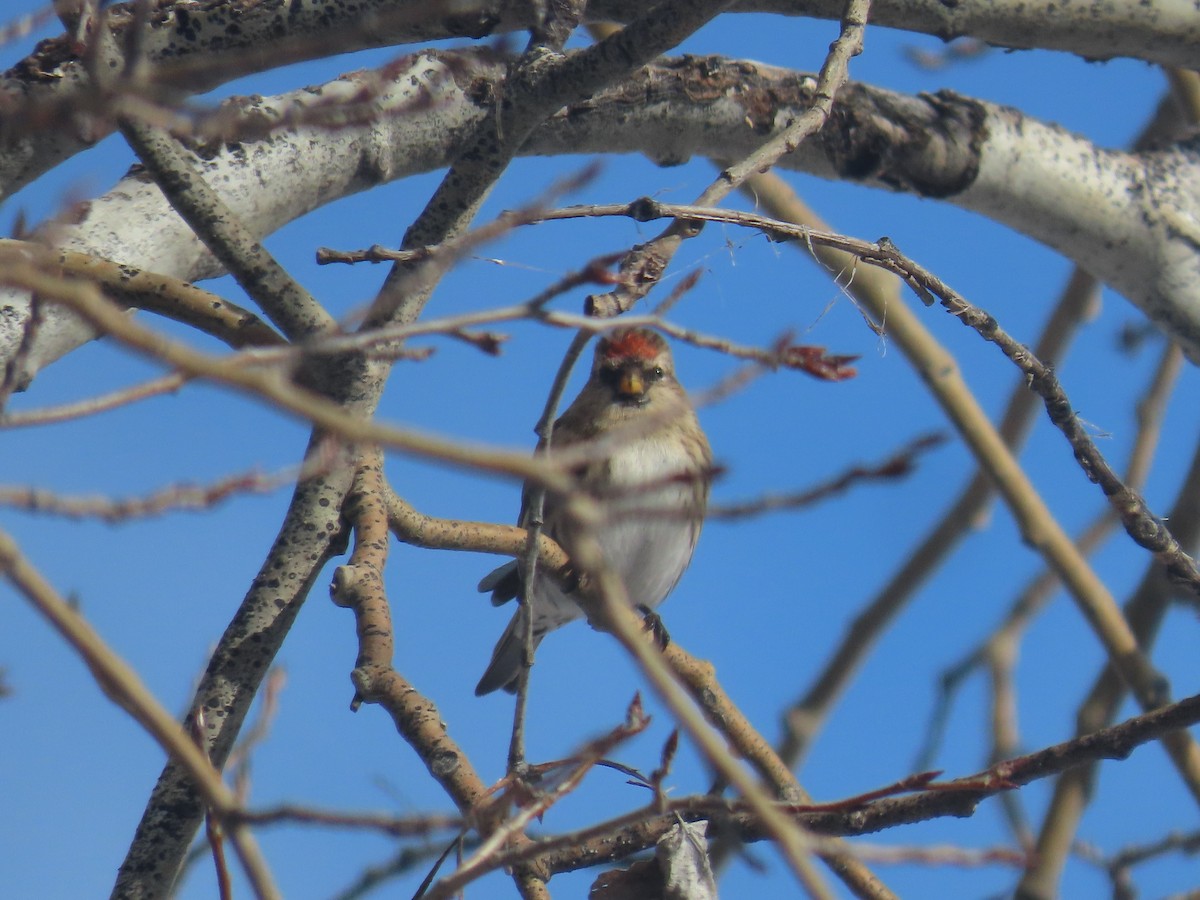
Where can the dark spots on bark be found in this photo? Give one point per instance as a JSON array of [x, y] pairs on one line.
[[184, 26], [929, 144]]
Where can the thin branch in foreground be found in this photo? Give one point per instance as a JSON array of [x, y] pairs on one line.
[[1147, 530], [212, 826], [238, 763], [392, 826], [999, 650], [783, 353], [896, 466], [532, 513], [122, 685], [194, 498], [959, 797], [644, 265], [66, 412], [1038, 526]]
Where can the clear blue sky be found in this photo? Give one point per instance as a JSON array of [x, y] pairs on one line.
[[764, 600]]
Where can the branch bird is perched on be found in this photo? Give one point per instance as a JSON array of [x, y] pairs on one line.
[[651, 482]]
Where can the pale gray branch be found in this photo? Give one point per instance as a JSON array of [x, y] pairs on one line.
[[194, 47], [1131, 219]]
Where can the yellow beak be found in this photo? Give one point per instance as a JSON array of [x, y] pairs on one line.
[[631, 384]]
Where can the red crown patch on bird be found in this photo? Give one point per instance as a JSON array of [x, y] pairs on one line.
[[634, 342]]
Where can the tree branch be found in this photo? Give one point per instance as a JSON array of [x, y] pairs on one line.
[[1036, 178]]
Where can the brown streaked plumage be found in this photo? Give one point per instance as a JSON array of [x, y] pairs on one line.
[[652, 478]]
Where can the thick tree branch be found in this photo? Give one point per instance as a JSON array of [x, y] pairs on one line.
[[191, 46], [277, 293], [166, 296], [1121, 216]]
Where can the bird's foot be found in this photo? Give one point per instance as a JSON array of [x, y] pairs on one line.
[[653, 623]]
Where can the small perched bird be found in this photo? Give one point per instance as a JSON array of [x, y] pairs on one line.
[[652, 484]]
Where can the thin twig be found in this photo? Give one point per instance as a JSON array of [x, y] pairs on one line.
[[271, 385], [65, 412], [897, 465], [1038, 526], [168, 499], [644, 265], [123, 686], [636, 830]]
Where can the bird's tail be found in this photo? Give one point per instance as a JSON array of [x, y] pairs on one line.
[[505, 667]]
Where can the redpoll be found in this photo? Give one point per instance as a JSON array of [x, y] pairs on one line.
[[652, 484]]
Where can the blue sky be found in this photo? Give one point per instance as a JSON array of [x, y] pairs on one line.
[[764, 600]]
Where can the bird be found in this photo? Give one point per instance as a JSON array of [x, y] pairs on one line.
[[650, 475]]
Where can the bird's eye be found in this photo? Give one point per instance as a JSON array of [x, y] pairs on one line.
[[657, 373]]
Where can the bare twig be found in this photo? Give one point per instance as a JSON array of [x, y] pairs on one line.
[[121, 685], [164, 500], [93, 405], [634, 831], [1038, 526], [644, 265], [998, 651], [898, 465], [393, 826], [533, 505]]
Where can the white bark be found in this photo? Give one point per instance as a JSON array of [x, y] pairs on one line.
[[1162, 31], [194, 47], [1132, 220], [266, 183]]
